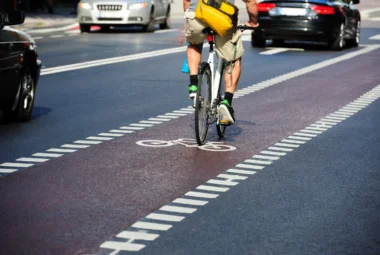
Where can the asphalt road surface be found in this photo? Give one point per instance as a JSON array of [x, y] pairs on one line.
[[297, 174]]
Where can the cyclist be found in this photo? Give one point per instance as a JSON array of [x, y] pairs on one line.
[[229, 47]]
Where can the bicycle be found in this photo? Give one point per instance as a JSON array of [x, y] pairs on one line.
[[210, 91]]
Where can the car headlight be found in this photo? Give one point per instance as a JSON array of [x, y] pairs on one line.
[[85, 5], [138, 6]]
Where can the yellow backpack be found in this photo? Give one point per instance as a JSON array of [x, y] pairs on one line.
[[219, 15]]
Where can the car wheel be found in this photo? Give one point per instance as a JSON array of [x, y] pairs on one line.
[[356, 40], [84, 28], [278, 42], [24, 107], [105, 28], [338, 43], [166, 24], [257, 41], [150, 26]]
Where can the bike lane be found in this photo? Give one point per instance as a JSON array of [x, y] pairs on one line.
[[73, 204]]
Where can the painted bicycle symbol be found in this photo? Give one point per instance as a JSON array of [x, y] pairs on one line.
[[209, 146]]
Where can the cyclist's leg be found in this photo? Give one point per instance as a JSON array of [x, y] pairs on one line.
[[230, 47], [194, 37]]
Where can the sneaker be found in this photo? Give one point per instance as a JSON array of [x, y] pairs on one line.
[[227, 113], [192, 91]]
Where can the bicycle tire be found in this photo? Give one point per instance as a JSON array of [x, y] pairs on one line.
[[221, 128], [203, 104]]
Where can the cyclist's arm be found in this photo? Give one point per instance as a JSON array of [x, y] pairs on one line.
[[186, 4], [252, 12]]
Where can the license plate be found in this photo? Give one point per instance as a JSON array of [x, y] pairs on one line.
[[293, 11], [113, 14]]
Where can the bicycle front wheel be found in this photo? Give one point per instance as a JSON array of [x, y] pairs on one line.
[[203, 105], [220, 127]]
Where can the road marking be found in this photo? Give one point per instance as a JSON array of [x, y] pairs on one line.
[[121, 131], [150, 122], [200, 194], [280, 149], [141, 125], [39, 160], [273, 51], [273, 153], [87, 142], [212, 188], [239, 171], [61, 150], [292, 141], [177, 209], [249, 166], [266, 157], [151, 226], [99, 138], [261, 162], [299, 138], [56, 36], [137, 235], [132, 128], [9, 164], [38, 38], [75, 146], [164, 217], [7, 170], [159, 119], [111, 134], [375, 93], [189, 201], [119, 246], [51, 155]]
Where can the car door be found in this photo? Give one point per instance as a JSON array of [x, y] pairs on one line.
[[11, 53], [159, 9]]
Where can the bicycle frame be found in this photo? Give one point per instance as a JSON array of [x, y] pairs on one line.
[[215, 73]]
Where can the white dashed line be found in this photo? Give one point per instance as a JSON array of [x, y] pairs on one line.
[[7, 170], [152, 226], [9, 164], [177, 209], [164, 217], [51, 155], [75, 146], [38, 160], [61, 150]]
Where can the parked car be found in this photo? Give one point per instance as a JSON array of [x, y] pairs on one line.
[[19, 68], [106, 13], [335, 22]]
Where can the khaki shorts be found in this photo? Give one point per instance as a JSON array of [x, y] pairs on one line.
[[229, 47]]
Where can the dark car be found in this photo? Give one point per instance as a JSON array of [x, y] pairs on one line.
[[335, 22], [19, 68]]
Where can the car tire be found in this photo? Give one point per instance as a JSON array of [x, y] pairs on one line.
[[257, 41], [84, 28], [26, 94], [166, 24], [356, 40], [338, 43], [149, 28], [105, 28], [278, 42]]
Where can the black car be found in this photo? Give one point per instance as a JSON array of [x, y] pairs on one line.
[[19, 68], [335, 22]]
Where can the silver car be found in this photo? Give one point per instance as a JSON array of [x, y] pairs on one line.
[[106, 13]]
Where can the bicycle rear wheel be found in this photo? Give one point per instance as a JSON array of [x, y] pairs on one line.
[[220, 127], [203, 105]]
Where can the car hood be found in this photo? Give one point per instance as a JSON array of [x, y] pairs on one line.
[[114, 1]]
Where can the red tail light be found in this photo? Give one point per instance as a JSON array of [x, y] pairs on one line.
[[265, 7], [323, 10]]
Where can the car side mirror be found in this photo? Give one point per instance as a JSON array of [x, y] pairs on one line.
[[1, 21], [355, 1], [15, 17]]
